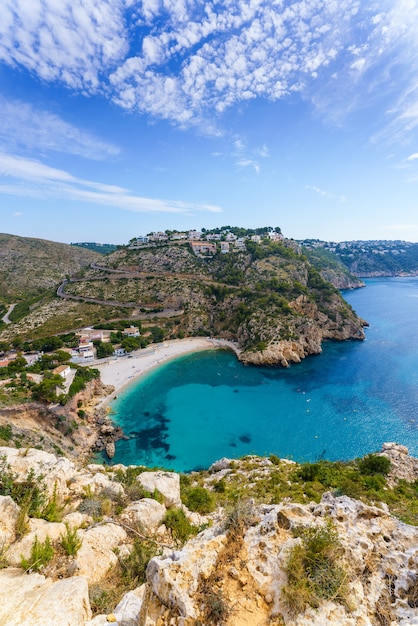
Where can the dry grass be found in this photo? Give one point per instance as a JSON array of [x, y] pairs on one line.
[[314, 570]]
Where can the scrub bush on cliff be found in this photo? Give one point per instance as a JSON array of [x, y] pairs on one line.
[[314, 569]]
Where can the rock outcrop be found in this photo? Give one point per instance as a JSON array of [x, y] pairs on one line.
[[33, 600], [165, 483], [234, 572]]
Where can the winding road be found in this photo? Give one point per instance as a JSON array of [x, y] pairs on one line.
[[6, 319], [124, 274]]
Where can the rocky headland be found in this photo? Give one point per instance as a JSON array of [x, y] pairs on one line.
[[130, 546]]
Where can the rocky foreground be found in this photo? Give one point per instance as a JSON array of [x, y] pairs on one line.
[[234, 570]]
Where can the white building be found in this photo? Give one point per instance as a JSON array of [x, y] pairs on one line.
[[194, 234]]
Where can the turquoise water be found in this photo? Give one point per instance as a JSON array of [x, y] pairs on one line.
[[341, 404]]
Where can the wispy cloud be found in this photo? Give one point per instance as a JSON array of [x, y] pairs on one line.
[[34, 179], [412, 157], [24, 127], [326, 194], [188, 62], [245, 156]]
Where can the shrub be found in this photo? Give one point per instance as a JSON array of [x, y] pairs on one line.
[[215, 608], [134, 566], [6, 432], [92, 505], [181, 528], [200, 500], [30, 494], [374, 464], [239, 517], [52, 512], [71, 542], [40, 555], [313, 569]]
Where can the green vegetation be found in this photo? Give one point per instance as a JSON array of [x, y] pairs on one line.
[[198, 499], [71, 542], [134, 566], [246, 295], [29, 494], [181, 528], [103, 349], [31, 267], [6, 433], [53, 510], [308, 482], [82, 376], [101, 248], [374, 464], [40, 555], [46, 390], [314, 569]]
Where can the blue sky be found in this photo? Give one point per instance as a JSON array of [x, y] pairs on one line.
[[119, 117]]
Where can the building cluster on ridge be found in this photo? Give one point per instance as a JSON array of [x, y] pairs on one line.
[[209, 242], [350, 248]]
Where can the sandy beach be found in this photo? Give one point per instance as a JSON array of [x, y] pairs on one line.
[[122, 371]]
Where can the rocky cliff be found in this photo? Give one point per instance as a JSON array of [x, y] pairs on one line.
[[121, 542]]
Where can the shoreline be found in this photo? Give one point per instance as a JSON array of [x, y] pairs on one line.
[[121, 372]]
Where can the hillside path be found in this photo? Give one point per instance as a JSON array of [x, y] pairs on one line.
[[6, 318]]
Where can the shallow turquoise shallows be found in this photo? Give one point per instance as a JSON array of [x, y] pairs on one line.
[[341, 404]]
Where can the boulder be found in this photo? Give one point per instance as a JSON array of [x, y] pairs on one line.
[[77, 519], [128, 610], [33, 600], [96, 555], [9, 512], [38, 528], [147, 513], [166, 483], [94, 483], [56, 472], [222, 464], [403, 466], [110, 449], [173, 581]]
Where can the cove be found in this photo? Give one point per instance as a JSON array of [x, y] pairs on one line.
[[341, 404]]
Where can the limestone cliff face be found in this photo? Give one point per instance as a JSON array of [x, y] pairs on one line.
[[309, 329]]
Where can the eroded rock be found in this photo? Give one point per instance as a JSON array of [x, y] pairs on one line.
[[166, 483]]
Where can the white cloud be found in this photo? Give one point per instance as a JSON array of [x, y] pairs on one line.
[[17, 214], [326, 194], [412, 157], [187, 61], [72, 42], [22, 126], [249, 163], [34, 179]]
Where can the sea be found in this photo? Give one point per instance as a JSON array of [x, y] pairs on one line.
[[341, 404]]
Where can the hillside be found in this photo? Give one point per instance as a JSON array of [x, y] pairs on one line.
[[29, 267], [250, 542], [102, 248], [277, 304], [367, 259], [269, 298]]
